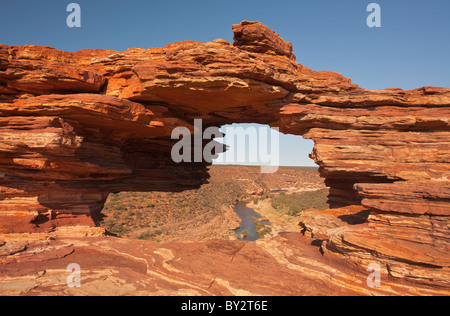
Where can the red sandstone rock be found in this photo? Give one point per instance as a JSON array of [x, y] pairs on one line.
[[284, 265], [258, 38], [77, 126]]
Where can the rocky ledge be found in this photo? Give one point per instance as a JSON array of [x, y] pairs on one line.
[[75, 127], [284, 265]]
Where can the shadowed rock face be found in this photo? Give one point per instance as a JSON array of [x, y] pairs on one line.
[[75, 127]]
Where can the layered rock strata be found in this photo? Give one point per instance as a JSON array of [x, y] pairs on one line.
[[283, 265], [76, 126]]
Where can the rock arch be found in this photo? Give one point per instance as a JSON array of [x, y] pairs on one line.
[[76, 126]]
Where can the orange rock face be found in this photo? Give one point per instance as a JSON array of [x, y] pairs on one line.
[[76, 126]]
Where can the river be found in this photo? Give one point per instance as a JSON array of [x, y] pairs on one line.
[[247, 222]]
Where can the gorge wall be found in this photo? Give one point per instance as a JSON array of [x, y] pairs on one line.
[[75, 127]]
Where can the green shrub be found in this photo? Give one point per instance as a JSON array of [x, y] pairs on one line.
[[294, 203], [262, 229]]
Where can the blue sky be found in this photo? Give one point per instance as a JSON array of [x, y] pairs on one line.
[[410, 50]]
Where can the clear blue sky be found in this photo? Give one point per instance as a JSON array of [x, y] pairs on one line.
[[410, 50]]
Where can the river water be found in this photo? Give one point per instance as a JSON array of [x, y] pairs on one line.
[[247, 222]]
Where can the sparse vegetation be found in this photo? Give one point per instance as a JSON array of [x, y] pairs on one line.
[[160, 215], [294, 203], [138, 214], [262, 229]]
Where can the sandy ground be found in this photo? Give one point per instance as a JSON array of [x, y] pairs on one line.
[[279, 222]]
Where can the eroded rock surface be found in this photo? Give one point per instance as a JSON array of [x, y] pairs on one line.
[[284, 265], [76, 126]]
